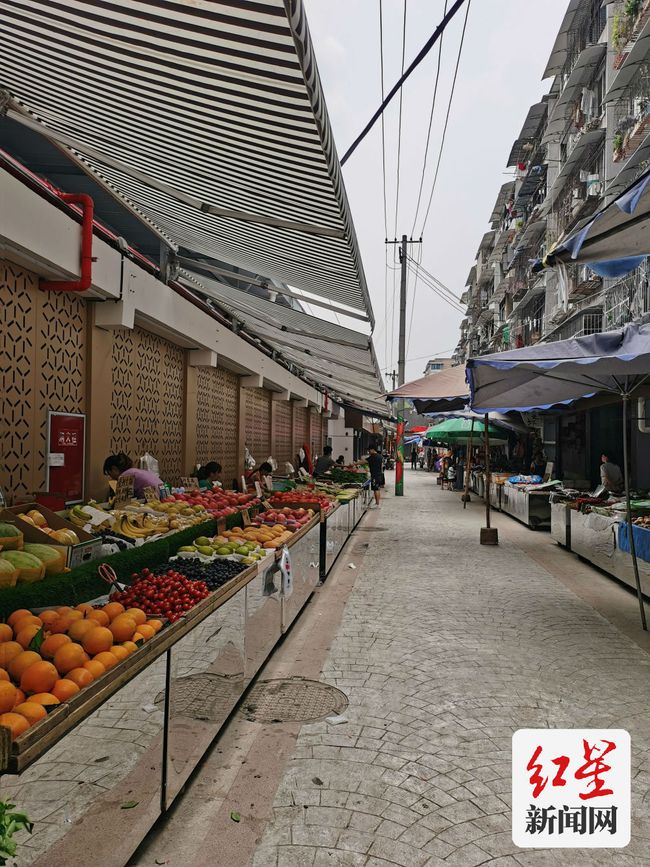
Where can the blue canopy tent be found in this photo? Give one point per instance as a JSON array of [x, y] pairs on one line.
[[552, 374], [615, 240]]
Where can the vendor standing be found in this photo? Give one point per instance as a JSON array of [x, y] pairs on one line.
[[208, 475], [120, 467], [610, 475], [324, 463]]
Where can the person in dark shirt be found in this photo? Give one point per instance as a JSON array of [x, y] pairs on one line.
[[324, 463], [374, 465]]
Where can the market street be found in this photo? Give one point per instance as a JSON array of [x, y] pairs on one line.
[[444, 649]]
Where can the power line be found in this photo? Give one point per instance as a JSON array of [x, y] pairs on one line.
[[415, 291], [426, 147], [426, 48], [452, 303], [444, 129], [437, 286], [399, 123], [383, 130], [436, 280]]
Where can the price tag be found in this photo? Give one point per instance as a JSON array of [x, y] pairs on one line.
[[190, 483], [246, 518], [258, 489], [221, 526], [151, 494], [267, 504], [244, 486], [123, 491]]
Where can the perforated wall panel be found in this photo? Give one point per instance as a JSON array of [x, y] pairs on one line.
[[283, 450], [147, 400], [42, 367], [216, 420], [258, 422]]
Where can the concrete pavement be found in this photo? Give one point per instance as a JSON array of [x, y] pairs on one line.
[[444, 648]]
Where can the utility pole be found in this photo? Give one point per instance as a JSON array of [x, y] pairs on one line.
[[401, 363], [401, 355], [393, 376]]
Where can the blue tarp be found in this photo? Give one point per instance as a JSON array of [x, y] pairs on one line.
[[613, 241], [641, 540]]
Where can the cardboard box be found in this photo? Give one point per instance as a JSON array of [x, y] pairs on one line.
[[89, 547]]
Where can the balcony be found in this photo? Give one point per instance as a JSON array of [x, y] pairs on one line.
[[583, 322], [629, 299]]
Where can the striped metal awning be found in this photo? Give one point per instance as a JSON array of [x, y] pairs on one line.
[[206, 118], [337, 357]]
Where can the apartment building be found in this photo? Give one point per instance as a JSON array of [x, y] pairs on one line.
[[580, 146]]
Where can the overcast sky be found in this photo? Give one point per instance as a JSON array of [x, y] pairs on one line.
[[505, 51]]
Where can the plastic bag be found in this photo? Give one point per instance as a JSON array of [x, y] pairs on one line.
[[149, 463], [249, 460], [274, 464]]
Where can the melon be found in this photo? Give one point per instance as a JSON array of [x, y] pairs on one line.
[[30, 568], [8, 574], [11, 539], [54, 559]]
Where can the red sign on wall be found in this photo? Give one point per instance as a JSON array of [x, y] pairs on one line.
[[66, 458]]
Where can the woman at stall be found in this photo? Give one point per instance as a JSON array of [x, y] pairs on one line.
[[262, 475], [114, 466], [610, 474], [208, 475]]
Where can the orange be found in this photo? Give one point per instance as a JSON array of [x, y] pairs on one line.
[[138, 636], [8, 650], [75, 614], [130, 646], [24, 636], [4, 675], [31, 711], [7, 696], [68, 657], [14, 721], [44, 698], [85, 608], [100, 616], [64, 609], [112, 609], [79, 628], [137, 614], [123, 627], [119, 652], [81, 676], [61, 624], [95, 668], [19, 664], [156, 625], [16, 615], [97, 640], [52, 643], [22, 622], [146, 632], [48, 617], [39, 677], [6, 632], [20, 697], [65, 689], [107, 659]]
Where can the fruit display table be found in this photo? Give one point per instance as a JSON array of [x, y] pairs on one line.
[[123, 748]]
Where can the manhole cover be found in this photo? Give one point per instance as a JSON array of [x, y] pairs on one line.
[[293, 700], [201, 696]]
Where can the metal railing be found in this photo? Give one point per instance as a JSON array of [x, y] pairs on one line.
[[629, 299]]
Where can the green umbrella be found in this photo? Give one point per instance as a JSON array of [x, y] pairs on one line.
[[456, 431]]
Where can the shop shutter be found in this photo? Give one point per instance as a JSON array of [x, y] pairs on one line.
[[147, 400], [217, 420], [301, 426], [42, 367]]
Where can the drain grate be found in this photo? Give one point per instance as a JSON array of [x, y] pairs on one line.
[[202, 696], [293, 700]]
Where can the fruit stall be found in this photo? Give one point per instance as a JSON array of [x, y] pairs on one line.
[[116, 674]]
